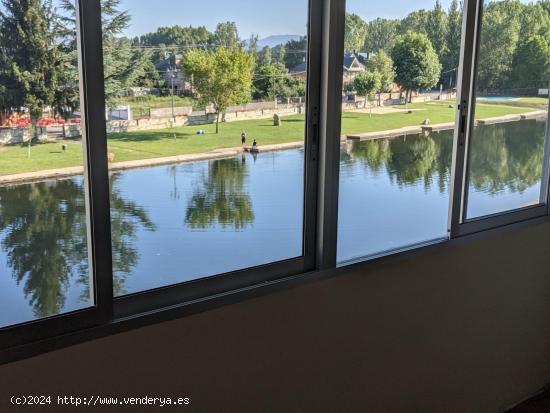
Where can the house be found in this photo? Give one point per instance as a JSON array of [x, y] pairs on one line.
[[170, 71], [354, 63]]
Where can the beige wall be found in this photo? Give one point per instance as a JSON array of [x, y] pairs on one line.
[[463, 327]]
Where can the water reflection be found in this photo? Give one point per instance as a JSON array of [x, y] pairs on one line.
[[44, 239], [175, 223], [507, 156], [43, 235], [394, 192], [503, 156], [220, 197]]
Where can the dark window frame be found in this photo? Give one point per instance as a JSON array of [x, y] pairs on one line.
[[322, 157]]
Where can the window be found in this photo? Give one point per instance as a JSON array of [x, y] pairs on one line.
[[206, 134], [398, 111], [45, 267], [506, 154], [158, 157]]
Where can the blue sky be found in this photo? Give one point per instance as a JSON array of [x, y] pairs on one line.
[[264, 17]]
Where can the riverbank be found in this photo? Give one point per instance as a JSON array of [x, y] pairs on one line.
[[161, 147], [60, 173]]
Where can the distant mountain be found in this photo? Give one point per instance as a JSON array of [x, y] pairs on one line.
[[273, 41]]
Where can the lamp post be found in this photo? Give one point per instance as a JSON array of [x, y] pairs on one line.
[[173, 74]]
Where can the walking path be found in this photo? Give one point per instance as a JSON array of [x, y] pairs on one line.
[[228, 152]]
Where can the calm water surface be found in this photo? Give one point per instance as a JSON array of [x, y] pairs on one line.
[[177, 223]]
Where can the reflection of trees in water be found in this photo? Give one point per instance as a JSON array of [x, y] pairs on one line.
[[43, 227], [412, 159], [507, 155], [220, 197], [44, 239]]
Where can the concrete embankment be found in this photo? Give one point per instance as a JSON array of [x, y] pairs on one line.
[[414, 130]]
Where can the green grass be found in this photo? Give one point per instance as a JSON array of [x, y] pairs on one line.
[[159, 143], [528, 102]]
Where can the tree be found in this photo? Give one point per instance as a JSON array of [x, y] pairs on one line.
[[253, 47], [227, 36], [295, 52], [416, 63], [30, 54], [417, 21], [382, 64], [380, 35], [356, 30], [451, 56], [273, 81], [177, 36], [531, 64], [436, 29], [499, 39], [123, 63], [264, 56], [367, 84], [222, 77]]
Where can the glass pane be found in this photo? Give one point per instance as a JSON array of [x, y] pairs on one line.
[[205, 120], [399, 105], [44, 268], [509, 139]]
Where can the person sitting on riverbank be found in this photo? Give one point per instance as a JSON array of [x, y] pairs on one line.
[[243, 138], [254, 145]]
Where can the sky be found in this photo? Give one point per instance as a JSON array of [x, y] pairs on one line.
[[260, 17]]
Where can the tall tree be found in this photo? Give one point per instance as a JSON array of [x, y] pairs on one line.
[[30, 55], [221, 77], [499, 38], [227, 36], [451, 56], [123, 63], [531, 64], [356, 30], [382, 64], [380, 35], [295, 52], [265, 56], [437, 26], [416, 63]]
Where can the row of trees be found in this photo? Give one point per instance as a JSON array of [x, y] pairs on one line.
[[514, 44], [413, 65], [39, 61]]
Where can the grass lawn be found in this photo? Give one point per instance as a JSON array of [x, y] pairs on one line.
[[529, 102], [159, 143]]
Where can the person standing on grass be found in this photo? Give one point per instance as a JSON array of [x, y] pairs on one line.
[[243, 138]]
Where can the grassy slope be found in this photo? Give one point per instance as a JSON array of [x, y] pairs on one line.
[[158, 143]]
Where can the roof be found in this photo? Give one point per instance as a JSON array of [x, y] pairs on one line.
[[349, 60]]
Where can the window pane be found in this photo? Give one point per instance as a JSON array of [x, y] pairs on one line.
[[44, 268], [206, 131], [512, 75], [399, 105]]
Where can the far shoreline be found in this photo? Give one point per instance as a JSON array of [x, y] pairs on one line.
[[69, 172]]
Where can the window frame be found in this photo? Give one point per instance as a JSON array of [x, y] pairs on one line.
[[326, 29], [96, 192], [459, 224]]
